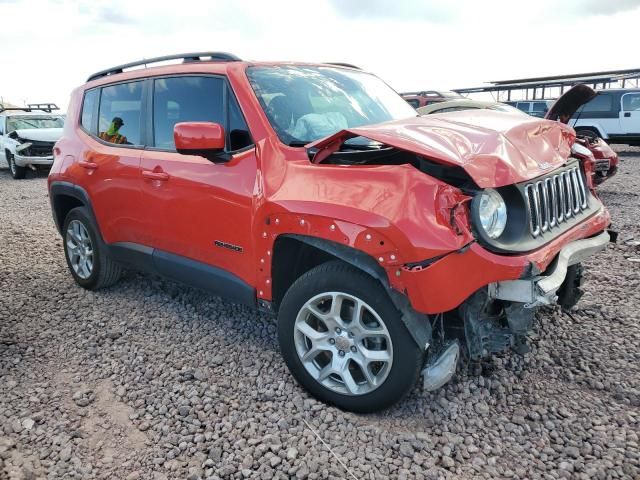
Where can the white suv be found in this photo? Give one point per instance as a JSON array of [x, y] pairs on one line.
[[27, 137], [613, 114]]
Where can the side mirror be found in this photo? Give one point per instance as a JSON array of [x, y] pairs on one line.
[[206, 139]]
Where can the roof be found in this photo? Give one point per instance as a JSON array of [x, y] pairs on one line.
[[213, 61]]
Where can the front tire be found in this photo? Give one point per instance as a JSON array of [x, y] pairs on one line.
[[17, 172], [344, 341], [86, 255]]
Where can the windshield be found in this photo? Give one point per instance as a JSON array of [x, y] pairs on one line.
[[304, 104], [25, 122]]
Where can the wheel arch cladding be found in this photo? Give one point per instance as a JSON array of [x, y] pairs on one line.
[[294, 255], [64, 197]]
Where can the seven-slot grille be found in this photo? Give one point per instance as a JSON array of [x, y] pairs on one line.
[[555, 199]]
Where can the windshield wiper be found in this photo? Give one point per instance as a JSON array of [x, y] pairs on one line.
[[362, 146], [297, 143]]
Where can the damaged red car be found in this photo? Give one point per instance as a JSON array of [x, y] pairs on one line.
[[384, 242], [599, 157]]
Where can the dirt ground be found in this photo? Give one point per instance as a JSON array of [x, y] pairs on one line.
[[153, 380]]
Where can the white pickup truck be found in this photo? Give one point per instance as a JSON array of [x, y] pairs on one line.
[[27, 137]]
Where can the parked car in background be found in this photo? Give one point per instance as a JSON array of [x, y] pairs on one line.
[[612, 114], [381, 239], [427, 97], [27, 137], [466, 104], [601, 160], [535, 108]]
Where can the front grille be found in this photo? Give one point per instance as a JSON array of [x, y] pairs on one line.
[[37, 148], [555, 199]]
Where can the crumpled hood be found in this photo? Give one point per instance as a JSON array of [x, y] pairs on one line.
[[569, 103], [40, 134], [494, 148]]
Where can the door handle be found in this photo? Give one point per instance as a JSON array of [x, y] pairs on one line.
[[627, 114], [162, 176], [88, 165]]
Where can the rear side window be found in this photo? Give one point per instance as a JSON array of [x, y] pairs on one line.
[[631, 102], [185, 99], [119, 116], [90, 110], [599, 104], [540, 107]]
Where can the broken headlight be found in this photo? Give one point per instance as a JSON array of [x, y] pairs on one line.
[[492, 213]]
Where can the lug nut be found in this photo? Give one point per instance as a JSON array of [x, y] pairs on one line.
[[350, 334], [338, 330], [353, 348], [341, 353], [332, 341]]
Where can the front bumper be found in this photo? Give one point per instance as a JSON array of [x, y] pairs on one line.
[[447, 282], [541, 289], [22, 161]]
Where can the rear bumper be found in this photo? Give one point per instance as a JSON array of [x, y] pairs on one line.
[[449, 281], [541, 289], [26, 161]]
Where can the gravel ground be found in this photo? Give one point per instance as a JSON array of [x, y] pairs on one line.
[[150, 379]]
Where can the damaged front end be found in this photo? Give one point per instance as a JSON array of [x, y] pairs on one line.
[[519, 200], [31, 152]]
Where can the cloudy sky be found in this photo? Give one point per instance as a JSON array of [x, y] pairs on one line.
[[49, 47]]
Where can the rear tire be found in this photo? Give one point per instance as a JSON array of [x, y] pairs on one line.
[[17, 172], [364, 362], [85, 252]]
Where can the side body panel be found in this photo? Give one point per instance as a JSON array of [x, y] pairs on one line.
[[203, 210]]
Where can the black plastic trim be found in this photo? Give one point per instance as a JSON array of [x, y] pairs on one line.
[[60, 188], [417, 324], [190, 272]]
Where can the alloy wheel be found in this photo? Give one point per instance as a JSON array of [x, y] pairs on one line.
[[343, 343], [79, 249]]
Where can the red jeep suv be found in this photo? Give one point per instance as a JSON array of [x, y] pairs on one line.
[[384, 242]]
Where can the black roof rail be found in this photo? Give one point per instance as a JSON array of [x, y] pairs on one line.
[[343, 64], [44, 107], [185, 57]]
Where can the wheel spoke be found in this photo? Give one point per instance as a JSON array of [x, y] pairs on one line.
[[89, 265], [363, 365], [324, 372], [339, 363], [313, 352], [310, 332], [375, 355], [349, 382]]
